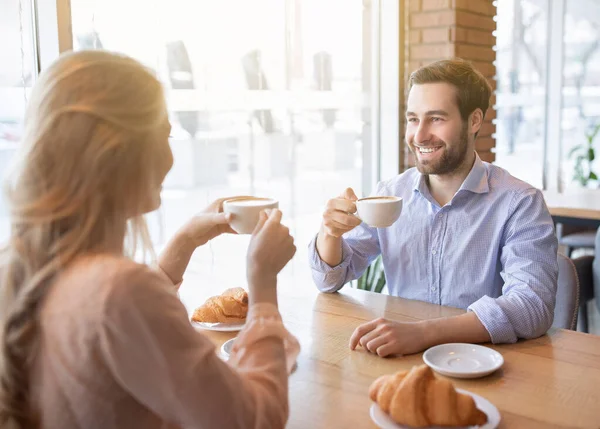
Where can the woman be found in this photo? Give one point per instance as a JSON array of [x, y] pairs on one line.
[[90, 339]]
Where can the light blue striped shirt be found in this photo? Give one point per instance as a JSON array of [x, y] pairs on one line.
[[492, 249]]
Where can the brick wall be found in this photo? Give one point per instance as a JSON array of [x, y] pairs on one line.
[[438, 29]]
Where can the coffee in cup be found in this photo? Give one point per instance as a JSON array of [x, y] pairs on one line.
[[245, 212], [379, 211]]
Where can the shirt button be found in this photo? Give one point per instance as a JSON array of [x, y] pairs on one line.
[[433, 252]]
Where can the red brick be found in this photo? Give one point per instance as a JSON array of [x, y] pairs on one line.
[[414, 36], [413, 65], [414, 5], [472, 20], [474, 37], [487, 129], [487, 156], [488, 69], [471, 52], [431, 52], [435, 4], [484, 143], [432, 19], [435, 35], [484, 7], [490, 115]]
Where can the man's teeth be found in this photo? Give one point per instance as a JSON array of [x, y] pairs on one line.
[[427, 149]]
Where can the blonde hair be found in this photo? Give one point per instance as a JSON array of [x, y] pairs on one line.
[[83, 172]]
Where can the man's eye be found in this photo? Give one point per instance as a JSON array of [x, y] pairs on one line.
[[412, 119], [436, 119]]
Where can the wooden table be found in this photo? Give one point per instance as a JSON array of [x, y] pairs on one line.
[[549, 382], [576, 207]]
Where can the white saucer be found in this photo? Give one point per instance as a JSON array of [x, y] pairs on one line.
[[384, 421], [223, 327], [462, 360], [226, 348]]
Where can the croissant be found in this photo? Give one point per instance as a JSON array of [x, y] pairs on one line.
[[229, 307], [418, 399]]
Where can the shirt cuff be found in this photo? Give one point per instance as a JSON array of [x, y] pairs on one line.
[[263, 321], [317, 264], [492, 317]]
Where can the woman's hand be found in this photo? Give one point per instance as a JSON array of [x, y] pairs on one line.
[[208, 224], [270, 249]]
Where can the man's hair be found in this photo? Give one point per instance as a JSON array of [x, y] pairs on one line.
[[473, 90]]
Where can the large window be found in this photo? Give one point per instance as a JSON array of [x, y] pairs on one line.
[[522, 46], [265, 99], [548, 59], [17, 73]]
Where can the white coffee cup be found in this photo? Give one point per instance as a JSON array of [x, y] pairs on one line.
[[245, 212], [379, 211]]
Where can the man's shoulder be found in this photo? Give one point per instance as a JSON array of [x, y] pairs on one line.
[[501, 182]]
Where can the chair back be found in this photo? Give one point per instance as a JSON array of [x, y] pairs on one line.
[[567, 295]]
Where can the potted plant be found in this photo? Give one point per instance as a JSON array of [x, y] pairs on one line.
[[584, 155], [373, 279]]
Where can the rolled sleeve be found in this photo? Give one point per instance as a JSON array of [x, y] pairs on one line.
[[530, 273], [328, 278]]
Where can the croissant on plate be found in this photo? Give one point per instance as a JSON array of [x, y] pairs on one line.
[[229, 307], [418, 399]]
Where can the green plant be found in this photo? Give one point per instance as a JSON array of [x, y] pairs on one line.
[[584, 156], [373, 279]]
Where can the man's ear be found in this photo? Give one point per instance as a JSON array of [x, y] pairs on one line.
[[475, 121]]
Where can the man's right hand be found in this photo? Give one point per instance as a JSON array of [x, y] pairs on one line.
[[338, 217]]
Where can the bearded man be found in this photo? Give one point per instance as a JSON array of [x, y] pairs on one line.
[[470, 235]]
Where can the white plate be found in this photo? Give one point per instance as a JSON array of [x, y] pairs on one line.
[[462, 360], [226, 348], [384, 421], [223, 327]]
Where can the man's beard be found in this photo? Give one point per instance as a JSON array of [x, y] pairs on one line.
[[453, 156]]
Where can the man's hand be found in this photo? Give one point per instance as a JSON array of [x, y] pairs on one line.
[[386, 337], [338, 218]]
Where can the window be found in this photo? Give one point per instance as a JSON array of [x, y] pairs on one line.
[[547, 99], [522, 46], [17, 73], [265, 99]]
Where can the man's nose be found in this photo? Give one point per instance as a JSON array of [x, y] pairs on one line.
[[422, 134]]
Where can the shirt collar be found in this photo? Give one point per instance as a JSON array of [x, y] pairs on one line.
[[476, 181]]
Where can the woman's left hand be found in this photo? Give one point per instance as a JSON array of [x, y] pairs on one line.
[[208, 224]]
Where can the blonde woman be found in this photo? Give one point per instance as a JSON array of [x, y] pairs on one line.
[[90, 339]]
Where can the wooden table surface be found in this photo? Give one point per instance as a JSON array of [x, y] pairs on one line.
[[549, 382], [574, 203]]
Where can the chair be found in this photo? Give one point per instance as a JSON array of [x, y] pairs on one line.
[[573, 237], [588, 270], [567, 294]]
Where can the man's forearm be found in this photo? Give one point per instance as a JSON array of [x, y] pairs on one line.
[[329, 248], [465, 328]]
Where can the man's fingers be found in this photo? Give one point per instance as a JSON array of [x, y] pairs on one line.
[[342, 205], [376, 343], [386, 350], [349, 194], [359, 332], [369, 337]]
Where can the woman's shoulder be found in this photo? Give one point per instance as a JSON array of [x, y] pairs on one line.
[[97, 278]]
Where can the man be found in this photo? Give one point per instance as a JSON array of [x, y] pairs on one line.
[[470, 235]]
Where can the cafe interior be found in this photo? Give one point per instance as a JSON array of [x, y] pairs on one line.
[[297, 100]]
